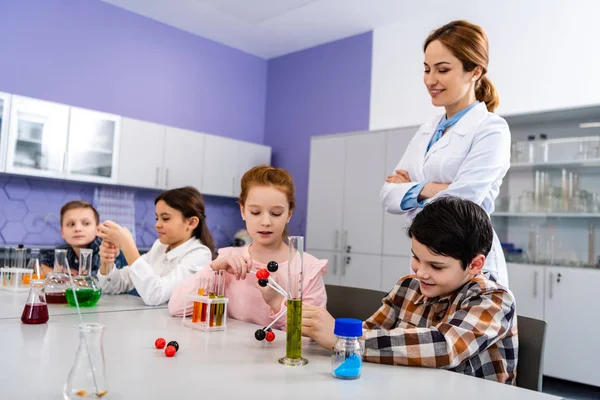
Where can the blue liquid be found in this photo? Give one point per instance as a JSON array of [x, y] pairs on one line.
[[350, 368]]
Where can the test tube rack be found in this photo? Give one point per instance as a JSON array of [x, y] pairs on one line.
[[15, 279], [209, 314]]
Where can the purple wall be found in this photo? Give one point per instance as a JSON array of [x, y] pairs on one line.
[[93, 55], [322, 90]]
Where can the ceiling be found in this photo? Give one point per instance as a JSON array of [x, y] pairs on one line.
[[270, 28]]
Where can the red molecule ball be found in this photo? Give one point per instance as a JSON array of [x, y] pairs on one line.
[[270, 336], [160, 343], [170, 351], [262, 274]]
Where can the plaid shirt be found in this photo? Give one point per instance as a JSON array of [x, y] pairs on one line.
[[47, 257], [472, 331]]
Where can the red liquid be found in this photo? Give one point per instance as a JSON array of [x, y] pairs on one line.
[[35, 314], [56, 298]]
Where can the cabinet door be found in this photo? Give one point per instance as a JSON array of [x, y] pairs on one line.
[[220, 166], [332, 277], [93, 145], [250, 155], [325, 193], [572, 345], [527, 285], [37, 137], [395, 240], [393, 268], [4, 118], [361, 271], [184, 158], [141, 154], [364, 175]]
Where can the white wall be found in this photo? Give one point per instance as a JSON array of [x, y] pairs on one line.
[[543, 55]]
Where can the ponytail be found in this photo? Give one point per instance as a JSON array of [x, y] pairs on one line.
[[485, 91]]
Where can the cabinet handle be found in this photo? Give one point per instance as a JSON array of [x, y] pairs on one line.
[[337, 238], [233, 186], [551, 284], [157, 170], [167, 178], [345, 239], [535, 279], [335, 262], [344, 267]]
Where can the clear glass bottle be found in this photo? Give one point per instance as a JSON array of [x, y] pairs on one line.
[[87, 378], [58, 281], [346, 358], [85, 287], [36, 309]]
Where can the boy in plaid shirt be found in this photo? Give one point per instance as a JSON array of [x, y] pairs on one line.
[[448, 314]]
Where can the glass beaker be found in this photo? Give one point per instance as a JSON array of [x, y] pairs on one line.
[[58, 281], [85, 287], [36, 309], [293, 343], [87, 378]]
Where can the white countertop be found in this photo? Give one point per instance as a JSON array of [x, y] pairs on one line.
[[12, 304], [222, 365]]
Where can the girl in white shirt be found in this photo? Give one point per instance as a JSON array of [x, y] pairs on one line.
[[184, 246]]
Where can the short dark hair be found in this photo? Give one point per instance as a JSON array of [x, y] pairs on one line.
[[453, 227], [77, 204]]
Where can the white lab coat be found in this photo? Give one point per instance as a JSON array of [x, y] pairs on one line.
[[156, 274], [473, 156]]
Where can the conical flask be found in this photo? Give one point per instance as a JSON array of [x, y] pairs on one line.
[[85, 287], [87, 378], [58, 281], [36, 309]]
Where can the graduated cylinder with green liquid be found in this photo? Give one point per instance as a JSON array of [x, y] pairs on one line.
[[293, 343]]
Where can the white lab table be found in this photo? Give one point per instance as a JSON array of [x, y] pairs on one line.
[[219, 365], [12, 303]]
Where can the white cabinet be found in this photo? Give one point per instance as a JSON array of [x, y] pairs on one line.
[[38, 133], [527, 286], [250, 155], [364, 175], [332, 277], [344, 212], [226, 160], [572, 345], [4, 118], [393, 268], [395, 240], [183, 158], [325, 193], [141, 154], [360, 270], [57, 141], [93, 146]]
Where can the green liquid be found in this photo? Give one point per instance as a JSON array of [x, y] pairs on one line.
[[293, 343], [85, 297], [220, 311]]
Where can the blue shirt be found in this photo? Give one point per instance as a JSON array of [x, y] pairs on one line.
[[410, 199]]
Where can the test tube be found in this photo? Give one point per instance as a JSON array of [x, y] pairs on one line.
[[220, 294], [212, 294], [197, 310]]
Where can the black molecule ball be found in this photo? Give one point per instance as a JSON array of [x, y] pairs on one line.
[[260, 334], [174, 344], [263, 282], [272, 266]]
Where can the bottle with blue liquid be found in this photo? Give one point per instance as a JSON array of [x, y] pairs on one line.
[[346, 360]]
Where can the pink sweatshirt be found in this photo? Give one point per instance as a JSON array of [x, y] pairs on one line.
[[246, 302]]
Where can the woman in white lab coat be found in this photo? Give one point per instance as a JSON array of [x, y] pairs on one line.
[[184, 246], [464, 152]]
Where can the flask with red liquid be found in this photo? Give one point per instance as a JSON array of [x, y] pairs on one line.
[[36, 309]]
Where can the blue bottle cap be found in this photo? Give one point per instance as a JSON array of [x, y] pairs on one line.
[[348, 327]]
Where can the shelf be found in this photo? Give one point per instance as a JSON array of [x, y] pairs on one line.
[[99, 151], [544, 215], [591, 163], [32, 141]]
